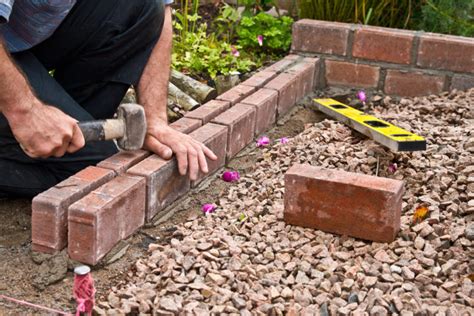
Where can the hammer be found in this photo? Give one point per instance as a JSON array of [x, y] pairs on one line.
[[129, 128]]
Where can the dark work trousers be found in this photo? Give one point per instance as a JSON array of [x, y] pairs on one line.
[[99, 50]]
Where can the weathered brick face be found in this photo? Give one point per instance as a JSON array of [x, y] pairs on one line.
[[265, 102], [206, 112], [107, 215], [236, 94], [350, 74], [163, 181], [412, 84], [123, 160], [186, 125], [345, 203], [286, 85]]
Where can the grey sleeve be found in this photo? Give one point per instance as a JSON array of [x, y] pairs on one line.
[[5, 10]]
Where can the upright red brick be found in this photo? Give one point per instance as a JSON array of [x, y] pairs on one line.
[[341, 202], [350, 74], [186, 125], [107, 215], [287, 85], [304, 72], [317, 69], [236, 94], [260, 79], [320, 37], [163, 181], [49, 209], [282, 64], [206, 112], [123, 160], [265, 102], [412, 83], [214, 136], [240, 120], [454, 53], [383, 44]]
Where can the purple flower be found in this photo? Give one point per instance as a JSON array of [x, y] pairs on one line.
[[208, 208], [284, 140], [260, 40], [263, 141], [361, 96], [392, 167], [235, 52], [230, 176]]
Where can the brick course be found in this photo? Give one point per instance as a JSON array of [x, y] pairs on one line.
[[260, 79], [304, 72], [383, 44], [350, 74], [236, 94], [107, 215], [186, 125], [412, 84], [286, 85], [49, 209], [240, 119], [345, 203]]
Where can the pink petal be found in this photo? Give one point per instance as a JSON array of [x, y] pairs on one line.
[[230, 176], [208, 208], [260, 40], [263, 141], [361, 96], [235, 52], [284, 140], [392, 167]]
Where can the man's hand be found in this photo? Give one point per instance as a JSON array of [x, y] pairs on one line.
[[191, 154], [44, 131]]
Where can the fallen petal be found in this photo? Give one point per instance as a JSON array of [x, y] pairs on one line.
[[361, 96], [263, 141], [208, 208], [392, 167], [260, 40], [230, 176], [284, 140]]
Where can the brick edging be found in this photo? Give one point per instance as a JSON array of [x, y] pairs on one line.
[[149, 184], [376, 51]]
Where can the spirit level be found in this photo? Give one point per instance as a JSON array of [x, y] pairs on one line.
[[389, 135]]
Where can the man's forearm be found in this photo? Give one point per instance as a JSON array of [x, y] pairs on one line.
[[15, 92], [153, 86]]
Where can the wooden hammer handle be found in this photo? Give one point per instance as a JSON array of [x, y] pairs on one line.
[[102, 129]]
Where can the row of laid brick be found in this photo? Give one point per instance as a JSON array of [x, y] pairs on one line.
[[425, 50], [99, 206]]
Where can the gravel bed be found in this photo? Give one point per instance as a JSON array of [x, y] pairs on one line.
[[244, 260]]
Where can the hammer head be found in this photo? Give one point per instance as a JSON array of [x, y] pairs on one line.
[[133, 117]]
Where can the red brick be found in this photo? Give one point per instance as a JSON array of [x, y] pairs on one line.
[[265, 102], [260, 79], [186, 125], [206, 112], [240, 119], [462, 82], [320, 37], [350, 74], [286, 85], [317, 69], [107, 215], [163, 181], [305, 78], [412, 83], [383, 44], [446, 52], [49, 209], [282, 64], [123, 160], [214, 136], [236, 94], [334, 200]]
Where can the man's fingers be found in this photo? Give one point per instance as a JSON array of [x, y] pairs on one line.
[[159, 148], [208, 152], [193, 164], [202, 160], [77, 140]]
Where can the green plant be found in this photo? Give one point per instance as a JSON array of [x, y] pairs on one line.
[[202, 55], [275, 33], [446, 16], [252, 7], [226, 23], [390, 13]]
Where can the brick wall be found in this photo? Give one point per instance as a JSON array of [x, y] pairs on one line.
[[398, 62]]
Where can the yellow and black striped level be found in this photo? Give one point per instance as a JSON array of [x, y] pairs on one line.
[[389, 135]]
